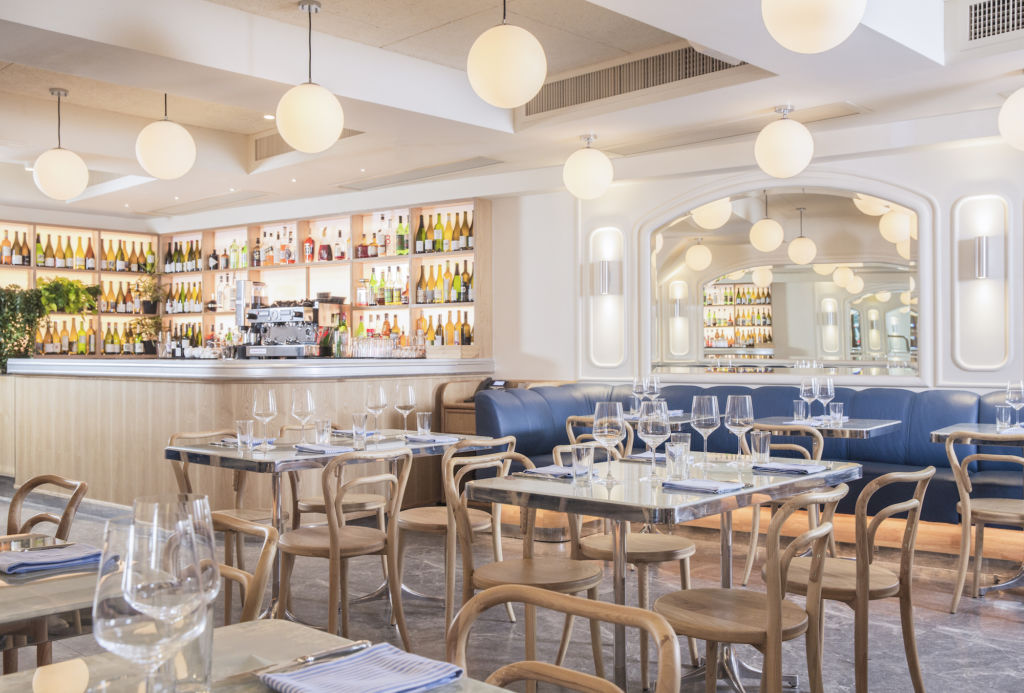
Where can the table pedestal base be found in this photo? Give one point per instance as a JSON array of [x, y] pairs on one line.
[[1016, 581]]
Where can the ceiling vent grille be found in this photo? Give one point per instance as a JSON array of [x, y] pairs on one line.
[[635, 75], [272, 144], [994, 18]]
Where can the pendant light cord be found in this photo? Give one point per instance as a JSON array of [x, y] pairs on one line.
[[801, 210], [504, 11], [165, 105], [309, 44], [58, 121], [765, 204]]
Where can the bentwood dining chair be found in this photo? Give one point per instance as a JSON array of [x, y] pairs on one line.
[[554, 573], [338, 541], [817, 445], [573, 424], [254, 584], [651, 624], [437, 519], [857, 582], [978, 511], [763, 620]]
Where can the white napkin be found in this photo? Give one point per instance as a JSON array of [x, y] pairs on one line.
[[789, 467], [324, 449], [645, 457], [555, 470], [702, 485], [431, 438]]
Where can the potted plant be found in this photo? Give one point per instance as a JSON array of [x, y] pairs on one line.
[[153, 295], [149, 328], [20, 313], [62, 295]]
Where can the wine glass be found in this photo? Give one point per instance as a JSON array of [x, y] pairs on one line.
[[303, 407], [653, 429], [609, 429], [826, 393], [652, 386], [638, 394], [739, 418], [376, 403], [149, 595], [1015, 397], [704, 417], [405, 402], [809, 393], [264, 409]]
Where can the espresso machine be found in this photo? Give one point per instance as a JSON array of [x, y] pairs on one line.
[[272, 331]]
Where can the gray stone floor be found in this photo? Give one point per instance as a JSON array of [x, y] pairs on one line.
[[979, 647]]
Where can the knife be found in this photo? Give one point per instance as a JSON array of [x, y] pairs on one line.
[[306, 660], [43, 548]]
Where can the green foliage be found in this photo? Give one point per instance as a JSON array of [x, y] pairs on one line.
[[149, 327], [61, 295], [20, 313], [150, 290]]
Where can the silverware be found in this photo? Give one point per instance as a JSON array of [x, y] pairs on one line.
[[548, 477], [44, 548], [306, 660]]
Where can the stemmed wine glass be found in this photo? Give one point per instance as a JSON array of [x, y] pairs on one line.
[[653, 429], [704, 418], [826, 393], [1015, 397], [376, 403], [264, 409], [609, 429], [303, 407], [638, 394], [739, 418], [405, 402], [652, 386], [809, 393]]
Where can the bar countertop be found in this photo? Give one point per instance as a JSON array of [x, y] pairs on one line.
[[251, 369]]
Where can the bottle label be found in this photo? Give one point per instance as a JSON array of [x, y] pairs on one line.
[[469, 241], [56, 262], [90, 263], [150, 259], [178, 267], [16, 258], [419, 246]]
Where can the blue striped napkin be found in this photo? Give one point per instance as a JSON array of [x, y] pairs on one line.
[[62, 558], [323, 449], [788, 468], [382, 668], [438, 438], [702, 485]]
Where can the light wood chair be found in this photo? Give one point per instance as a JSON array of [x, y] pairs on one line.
[[37, 629], [649, 623], [251, 585], [763, 619], [439, 519], [557, 574], [817, 445], [572, 423], [642, 549], [978, 511], [338, 541], [856, 582]]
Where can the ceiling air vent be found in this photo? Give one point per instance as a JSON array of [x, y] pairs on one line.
[[632, 76], [994, 18], [272, 144]]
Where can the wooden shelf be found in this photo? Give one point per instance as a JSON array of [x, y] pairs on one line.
[[467, 304], [452, 254]]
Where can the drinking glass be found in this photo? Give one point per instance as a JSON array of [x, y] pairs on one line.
[[677, 455], [799, 410], [809, 393], [376, 403], [423, 423], [582, 463], [760, 446], [1004, 416], [264, 409], [739, 418], [653, 429], [704, 418], [1015, 396], [322, 429], [405, 402], [835, 412], [609, 429], [244, 434], [359, 430], [826, 393], [652, 386], [303, 407]]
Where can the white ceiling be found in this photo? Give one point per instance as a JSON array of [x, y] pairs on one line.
[[397, 66]]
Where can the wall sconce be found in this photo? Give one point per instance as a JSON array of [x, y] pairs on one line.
[[829, 325], [981, 257], [606, 346], [874, 330], [679, 323], [677, 292]]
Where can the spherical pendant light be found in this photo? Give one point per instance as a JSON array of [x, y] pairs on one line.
[[762, 277], [784, 147], [766, 235], [1011, 119], [165, 149], [801, 249], [588, 172], [842, 276], [60, 173], [698, 257], [895, 226], [713, 215], [506, 65], [856, 285], [308, 117], [903, 249], [811, 26], [883, 296], [871, 206], [823, 269], [905, 298]]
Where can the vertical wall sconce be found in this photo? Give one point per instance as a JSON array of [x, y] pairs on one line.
[[874, 331], [829, 325], [679, 323], [606, 312], [981, 257]]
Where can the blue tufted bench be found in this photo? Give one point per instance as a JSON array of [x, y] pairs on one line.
[[536, 417]]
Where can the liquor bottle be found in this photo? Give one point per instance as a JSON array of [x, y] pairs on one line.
[[213, 260], [168, 258], [438, 236], [257, 254], [428, 293], [405, 289], [58, 255], [120, 261], [372, 299], [467, 331], [468, 229], [361, 328], [385, 330], [90, 256], [65, 338], [380, 237], [293, 249], [387, 287], [324, 253], [6, 254], [446, 297], [421, 288], [233, 254], [243, 254], [446, 235], [339, 247], [421, 238], [439, 294], [224, 262], [18, 250], [373, 250], [133, 259], [456, 291], [402, 240], [150, 258]]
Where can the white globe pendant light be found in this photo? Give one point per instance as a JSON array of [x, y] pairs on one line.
[[895, 226], [871, 206], [784, 147], [801, 249], [713, 215], [588, 172], [698, 257], [1011, 119], [856, 285], [811, 26], [165, 149], [762, 277], [823, 269], [60, 173], [308, 117], [842, 276], [506, 64], [883, 296], [766, 235], [903, 249]]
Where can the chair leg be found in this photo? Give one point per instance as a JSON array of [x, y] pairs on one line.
[[239, 552], [595, 638], [643, 600], [333, 594], [979, 543], [343, 595], [563, 642], [860, 642], [395, 588], [711, 674], [449, 575], [755, 531], [684, 580], [229, 552], [284, 596], [496, 545], [44, 648], [813, 643], [910, 638], [961, 564], [382, 526], [531, 641], [11, 661]]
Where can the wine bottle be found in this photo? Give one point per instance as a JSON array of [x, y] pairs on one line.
[[17, 250], [6, 254], [421, 288], [431, 333], [133, 259], [179, 258], [69, 254], [457, 332], [456, 291], [90, 340], [447, 234], [243, 253], [467, 337], [428, 292], [119, 304], [58, 255], [469, 230], [150, 258], [438, 236], [402, 237], [421, 237], [90, 256], [339, 247], [65, 338], [40, 253], [446, 297], [439, 289], [308, 248], [120, 260], [168, 259], [449, 330], [49, 258], [26, 254], [470, 290]]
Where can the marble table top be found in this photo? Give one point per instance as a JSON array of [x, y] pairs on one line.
[[851, 428], [1012, 437]]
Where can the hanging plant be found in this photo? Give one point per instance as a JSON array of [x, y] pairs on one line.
[[61, 295], [20, 313]]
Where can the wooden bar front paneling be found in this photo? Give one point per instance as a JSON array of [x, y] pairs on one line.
[[111, 432]]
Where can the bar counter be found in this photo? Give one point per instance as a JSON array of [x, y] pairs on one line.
[[106, 421]]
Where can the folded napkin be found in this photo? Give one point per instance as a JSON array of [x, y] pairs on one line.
[[382, 668], [348, 432], [431, 438], [789, 468], [555, 470], [255, 441], [645, 457], [702, 485], [63, 557], [323, 449]]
